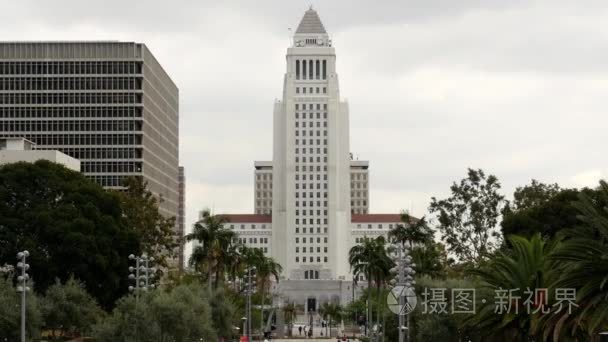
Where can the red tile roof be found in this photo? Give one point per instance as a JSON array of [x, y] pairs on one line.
[[373, 218], [248, 218]]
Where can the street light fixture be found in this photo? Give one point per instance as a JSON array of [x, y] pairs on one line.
[[141, 274], [405, 277], [22, 286]]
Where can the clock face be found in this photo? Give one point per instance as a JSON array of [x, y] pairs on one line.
[[320, 41], [299, 43]]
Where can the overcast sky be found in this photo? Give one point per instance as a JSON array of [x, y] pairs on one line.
[[518, 88]]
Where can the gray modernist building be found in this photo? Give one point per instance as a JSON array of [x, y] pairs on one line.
[[109, 104]]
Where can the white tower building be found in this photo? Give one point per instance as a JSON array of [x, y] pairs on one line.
[[311, 175], [311, 201]]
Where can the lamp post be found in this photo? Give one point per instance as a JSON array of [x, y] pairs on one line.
[[405, 277], [250, 287], [142, 273], [22, 287]]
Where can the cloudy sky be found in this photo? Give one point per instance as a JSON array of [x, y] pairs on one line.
[[518, 88]]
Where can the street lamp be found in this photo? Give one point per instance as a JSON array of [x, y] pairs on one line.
[[250, 288], [405, 277], [22, 287], [141, 274]]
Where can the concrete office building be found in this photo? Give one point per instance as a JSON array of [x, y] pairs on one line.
[[312, 194], [13, 150], [109, 104]]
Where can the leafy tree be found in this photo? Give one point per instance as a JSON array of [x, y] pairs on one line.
[[222, 312], [10, 312], [69, 224], [140, 210], [430, 259], [181, 314], [533, 195], [69, 309], [467, 219], [546, 217]]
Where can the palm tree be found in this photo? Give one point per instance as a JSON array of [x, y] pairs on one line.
[[289, 311], [411, 231], [266, 269], [521, 268], [370, 258], [331, 312], [581, 262], [211, 255]]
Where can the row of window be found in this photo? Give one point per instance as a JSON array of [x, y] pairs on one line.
[[82, 139], [111, 167], [311, 69], [311, 133], [311, 150], [297, 123], [70, 126], [311, 274], [311, 159], [103, 153], [311, 106], [311, 203], [253, 240], [70, 83], [311, 240], [378, 226], [263, 176], [310, 168], [358, 211], [312, 259], [252, 226], [263, 185], [70, 98], [311, 142], [310, 91], [70, 112], [311, 115], [311, 194], [76, 67], [108, 180], [358, 185], [311, 229], [311, 249]]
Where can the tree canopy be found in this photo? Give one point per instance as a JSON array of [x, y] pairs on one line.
[[70, 225]]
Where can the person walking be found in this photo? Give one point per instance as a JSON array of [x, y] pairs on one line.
[[300, 330]]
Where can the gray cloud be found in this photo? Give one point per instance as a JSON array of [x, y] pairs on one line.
[[514, 87]]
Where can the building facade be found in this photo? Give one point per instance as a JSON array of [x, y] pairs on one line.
[[312, 194], [109, 104]]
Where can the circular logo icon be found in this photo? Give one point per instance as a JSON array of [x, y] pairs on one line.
[[401, 300]]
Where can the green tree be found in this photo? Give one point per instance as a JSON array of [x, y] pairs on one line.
[[546, 217], [332, 312], [140, 210], [581, 263], [69, 224], [430, 259], [69, 309], [222, 312], [210, 256], [467, 219], [411, 231], [522, 268], [370, 258], [10, 312], [533, 195], [180, 314], [266, 270]]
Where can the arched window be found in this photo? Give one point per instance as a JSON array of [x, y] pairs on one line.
[[297, 69], [304, 69], [316, 274], [317, 69], [305, 274]]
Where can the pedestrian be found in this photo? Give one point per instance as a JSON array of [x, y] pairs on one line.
[[300, 330]]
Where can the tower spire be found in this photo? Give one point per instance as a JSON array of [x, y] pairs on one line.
[[311, 23]]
